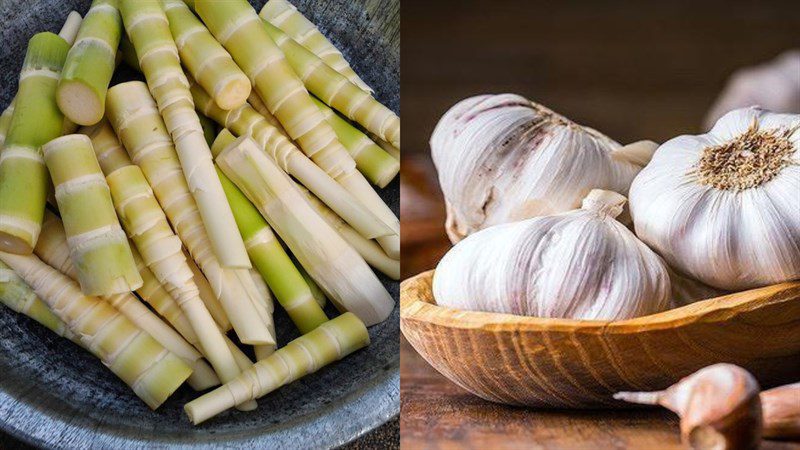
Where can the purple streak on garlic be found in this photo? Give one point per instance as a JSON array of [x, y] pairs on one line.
[[581, 264], [503, 158], [724, 207]]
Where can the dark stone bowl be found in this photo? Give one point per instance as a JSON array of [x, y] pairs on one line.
[[53, 394]]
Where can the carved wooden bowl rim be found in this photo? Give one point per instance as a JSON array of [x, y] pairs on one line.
[[418, 305]]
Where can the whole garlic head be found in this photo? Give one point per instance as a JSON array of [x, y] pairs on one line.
[[503, 158], [724, 207], [581, 264]]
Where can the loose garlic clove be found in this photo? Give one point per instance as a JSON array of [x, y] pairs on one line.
[[581, 264], [723, 207], [781, 407], [719, 407], [503, 158]]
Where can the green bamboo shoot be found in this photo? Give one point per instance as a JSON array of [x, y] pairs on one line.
[[52, 248], [373, 161], [96, 239], [205, 59], [133, 114], [81, 92], [148, 29], [245, 121], [288, 281], [98, 246], [68, 32], [19, 297], [336, 90], [340, 270], [160, 248], [36, 120], [368, 249], [330, 342], [153, 372], [285, 16], [237, 27], [273, 263]]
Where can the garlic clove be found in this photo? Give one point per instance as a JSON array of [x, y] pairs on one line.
[[781, 406], [719, 407], [639, 152]]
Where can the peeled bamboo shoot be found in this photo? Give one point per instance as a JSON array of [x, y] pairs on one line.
[[52, 249], [205, 59], [285, 16], [237, 27], [148, 29], [133, 114], [111, 157], [340, 270], [368, 249], [147, 226], [68, 32], [373, 161], [273, 263], [153, 372], [19, 297], [336, 90], [245, 121], [330, 342]]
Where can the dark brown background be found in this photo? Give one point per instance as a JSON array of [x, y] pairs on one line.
[[633, 70]]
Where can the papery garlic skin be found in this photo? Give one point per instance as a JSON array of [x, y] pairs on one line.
[[503, 158], [582, 264], [727, 238]]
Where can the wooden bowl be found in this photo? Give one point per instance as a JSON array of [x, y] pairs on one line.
[[560, 363]]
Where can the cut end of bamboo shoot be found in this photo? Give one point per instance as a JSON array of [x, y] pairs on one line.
[[79, 102], [233, 93]]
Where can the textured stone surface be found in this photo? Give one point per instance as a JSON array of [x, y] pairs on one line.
[[53, 394]]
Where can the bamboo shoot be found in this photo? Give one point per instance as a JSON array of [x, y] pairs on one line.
[[330, 342], [340, 270], [153, 372], [148, 29]]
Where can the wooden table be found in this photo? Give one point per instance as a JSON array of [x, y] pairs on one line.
[[435, 413]]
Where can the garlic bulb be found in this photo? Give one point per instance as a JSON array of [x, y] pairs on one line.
[[724, 207], [581, 264], [503, 158]]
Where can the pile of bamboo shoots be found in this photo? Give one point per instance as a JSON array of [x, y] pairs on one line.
[[131, 227]]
